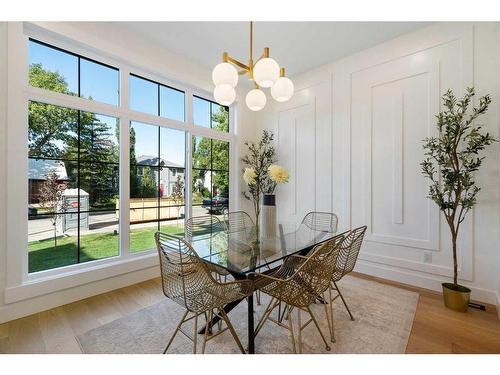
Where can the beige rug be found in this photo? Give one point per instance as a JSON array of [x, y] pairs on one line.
[[384, 317]]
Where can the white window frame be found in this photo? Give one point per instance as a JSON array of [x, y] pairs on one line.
[[21, 284]]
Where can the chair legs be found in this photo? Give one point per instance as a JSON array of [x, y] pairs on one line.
[[231, 329], [287, 310], [175, 332], [343, 300], [207, 335], [331, 300]]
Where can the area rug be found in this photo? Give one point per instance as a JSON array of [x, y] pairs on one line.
[[383, 320]]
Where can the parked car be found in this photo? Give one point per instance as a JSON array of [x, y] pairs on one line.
[[217, 203]]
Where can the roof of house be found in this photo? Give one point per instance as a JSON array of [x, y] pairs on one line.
[[153, 160], [39, 168]]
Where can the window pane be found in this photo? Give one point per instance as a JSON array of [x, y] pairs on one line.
[[48, 181], [220, 184], [220, 193], [172, 186], [201, 112], [220, 155], [98, 138], [173, 147], [171, 103], [61, 193], [52, 131], [99, 186], [144, 183], [52, 69], [202, 186], [143, 95], [99, 82], [202, 153], [142, 236], [99, 239], [144, 144], [48, 247], [220, 118]]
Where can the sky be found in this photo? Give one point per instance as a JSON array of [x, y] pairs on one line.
[[101, 83]]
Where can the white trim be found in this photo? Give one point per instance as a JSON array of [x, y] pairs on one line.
[[48, 301], [422, 281], [70, 279]]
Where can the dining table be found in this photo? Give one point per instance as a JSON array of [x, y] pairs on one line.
[[246, 255]]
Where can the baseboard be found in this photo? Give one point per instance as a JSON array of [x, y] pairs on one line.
[[426, 281], [35, 305]]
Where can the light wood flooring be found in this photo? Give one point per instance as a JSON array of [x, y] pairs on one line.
[[435, 328]]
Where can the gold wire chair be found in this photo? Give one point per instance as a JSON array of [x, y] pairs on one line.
[[237, 221], [240, 222], [298, 285], [346, 260], [188, 281], [321, 221]]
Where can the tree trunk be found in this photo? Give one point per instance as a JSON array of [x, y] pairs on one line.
[[55, 235], [455, 263]]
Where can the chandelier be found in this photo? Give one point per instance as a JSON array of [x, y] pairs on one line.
[[265, 73]]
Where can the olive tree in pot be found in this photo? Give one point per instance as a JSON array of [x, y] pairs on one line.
[[451, 159]]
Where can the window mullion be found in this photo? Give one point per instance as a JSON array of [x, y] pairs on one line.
[[124, 178]]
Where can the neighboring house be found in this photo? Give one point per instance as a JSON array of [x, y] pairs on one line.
[[168, 172], [37, 175]]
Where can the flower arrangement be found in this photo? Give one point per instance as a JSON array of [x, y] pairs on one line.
[[261, 174]]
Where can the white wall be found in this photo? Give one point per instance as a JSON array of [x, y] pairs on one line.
[[351, 137], [18, 299], [3, 158]]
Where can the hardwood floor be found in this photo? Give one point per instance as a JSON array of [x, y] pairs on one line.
[[435, 328]]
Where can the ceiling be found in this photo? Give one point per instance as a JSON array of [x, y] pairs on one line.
[[299, 46]]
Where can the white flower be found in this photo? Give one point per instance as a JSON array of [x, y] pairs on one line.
[[278, 174], [249, 176]]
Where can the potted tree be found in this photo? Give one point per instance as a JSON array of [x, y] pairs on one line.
[[451, 160]]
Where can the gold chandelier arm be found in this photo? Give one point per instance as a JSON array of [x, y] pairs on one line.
[[229, 59]]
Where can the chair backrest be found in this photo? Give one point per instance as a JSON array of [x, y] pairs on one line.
[[201, 225], [312, 277], [238, 221], [321, 221], [349, 251], [183, 273]]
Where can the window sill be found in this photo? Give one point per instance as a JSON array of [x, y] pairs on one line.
[[50, 284]]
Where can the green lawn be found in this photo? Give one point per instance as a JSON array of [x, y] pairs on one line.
[[43, 255]]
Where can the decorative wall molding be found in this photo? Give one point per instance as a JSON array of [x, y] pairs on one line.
[[401, 79]]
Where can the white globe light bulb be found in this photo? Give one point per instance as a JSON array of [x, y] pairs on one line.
[[256, 100], [282, 89], [225, 74], [224, 94], [266, 72]]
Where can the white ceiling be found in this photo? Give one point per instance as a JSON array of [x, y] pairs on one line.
[[299, 46]]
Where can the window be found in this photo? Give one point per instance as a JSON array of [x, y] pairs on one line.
[[73, 156], [156, 99], [157, 165], [57, 70], [210, 114], [210, 174], [72, 186]]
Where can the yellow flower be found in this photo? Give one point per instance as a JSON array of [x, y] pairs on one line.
[[249, 176], [278, 174]]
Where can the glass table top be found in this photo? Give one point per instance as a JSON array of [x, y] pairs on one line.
[[240, 252]]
